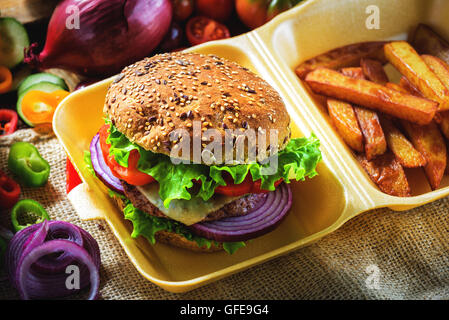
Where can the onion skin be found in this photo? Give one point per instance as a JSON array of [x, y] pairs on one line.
[[112, 35]]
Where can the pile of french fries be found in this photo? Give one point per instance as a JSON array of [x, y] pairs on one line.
[[389, 126]]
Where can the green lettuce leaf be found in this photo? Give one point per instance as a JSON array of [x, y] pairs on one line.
[[146, 225], [88, 163], [296, 161]]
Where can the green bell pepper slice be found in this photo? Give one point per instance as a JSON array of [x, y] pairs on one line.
[[27, 164], [26, 213]]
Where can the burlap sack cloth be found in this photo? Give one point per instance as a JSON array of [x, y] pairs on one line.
[[378, 255]]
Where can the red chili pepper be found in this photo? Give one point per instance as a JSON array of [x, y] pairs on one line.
[[72, 177], [8, 121], [9, 191]]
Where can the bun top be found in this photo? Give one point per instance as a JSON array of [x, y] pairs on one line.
[[158, 95]]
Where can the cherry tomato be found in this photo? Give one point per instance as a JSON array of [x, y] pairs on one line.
[[220, 10], [202, 29], [173, 39], [256, 13], [182, 9], [131, 174], [252, 13]]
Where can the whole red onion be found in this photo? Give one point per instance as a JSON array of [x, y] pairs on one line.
[[111, 35]]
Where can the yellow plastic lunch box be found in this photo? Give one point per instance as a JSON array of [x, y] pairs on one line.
[[320, 205]]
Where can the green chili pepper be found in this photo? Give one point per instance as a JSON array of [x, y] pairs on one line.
[[27, 164], [26, 213], [2, 252]]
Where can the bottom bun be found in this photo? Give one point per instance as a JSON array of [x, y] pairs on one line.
[[175, 239]]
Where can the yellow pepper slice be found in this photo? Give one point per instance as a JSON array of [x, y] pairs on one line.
[[39, 106]]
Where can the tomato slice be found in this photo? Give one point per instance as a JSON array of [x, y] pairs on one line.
[[234, 190], [247, 186], [202, 29], [131, 174]]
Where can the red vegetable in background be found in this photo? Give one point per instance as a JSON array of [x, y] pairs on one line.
[[182, 9], [8, 121], [220, 10], [255, 13], [111, 35], [173, 39], [202, 29], [9, 191]]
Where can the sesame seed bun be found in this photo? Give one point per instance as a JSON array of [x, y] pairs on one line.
[[157, 95]]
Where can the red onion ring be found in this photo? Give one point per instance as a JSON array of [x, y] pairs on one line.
[[102, 170], [24, 268], [57, 263], [258, 222], [46, 277]]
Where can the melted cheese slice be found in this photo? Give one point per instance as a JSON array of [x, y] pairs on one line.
[[187, 212]]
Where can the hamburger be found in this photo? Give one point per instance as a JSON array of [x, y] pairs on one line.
[[197, 152]]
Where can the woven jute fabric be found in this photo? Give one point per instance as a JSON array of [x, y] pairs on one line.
[[380, 254]]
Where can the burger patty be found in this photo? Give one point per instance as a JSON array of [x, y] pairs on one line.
[[238, 207]]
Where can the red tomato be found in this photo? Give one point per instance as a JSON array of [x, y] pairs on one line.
[[252, 13], [220, 10], [131, 174], [255, 13], [202, 29], [247, 186], [235, 190], [182, 9]]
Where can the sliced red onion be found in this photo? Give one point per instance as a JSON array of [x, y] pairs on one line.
[[101, 169], [46, 277], [58, 262], [27, 278], [258, 222]]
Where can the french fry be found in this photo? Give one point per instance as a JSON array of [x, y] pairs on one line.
[[410, 88], [354, 72], [396, 87], [347, 56], [441, 69], [401, 147], [402, 55], [427, 139], [430, 143], [375, 142], [345, 121], [387, 173], [333, 84], [374, 71], [427, 41]]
